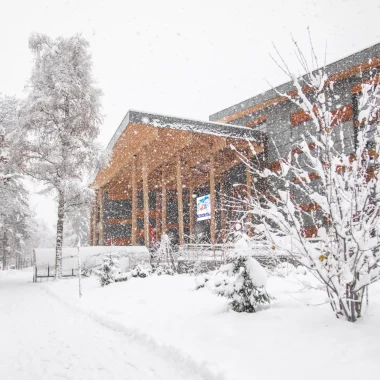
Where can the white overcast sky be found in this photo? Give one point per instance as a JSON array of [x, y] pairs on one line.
[[182, 58]]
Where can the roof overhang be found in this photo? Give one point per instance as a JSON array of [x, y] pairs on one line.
[[163, 137]]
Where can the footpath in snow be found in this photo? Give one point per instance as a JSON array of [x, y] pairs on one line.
[[43, 337]]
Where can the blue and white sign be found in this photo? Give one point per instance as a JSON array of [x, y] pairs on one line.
[[203, 208]]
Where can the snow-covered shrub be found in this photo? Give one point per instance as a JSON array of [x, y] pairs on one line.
[[109, 269], [285, 269], [327, 187], [164, 268], [125, 276], [242, 280], [201, 280], [86, 272], [141, 271]]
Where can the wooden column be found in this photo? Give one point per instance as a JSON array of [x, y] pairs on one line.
[[249, 186], [134, 202], [212, 198], [101, 218], [222, 206], [157, 215], [180, 201], [145, 196], [163, 203], [191, 211], [95, 221], [91, 237]]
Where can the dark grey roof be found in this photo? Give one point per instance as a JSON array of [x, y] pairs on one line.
[[208, 128], [331, 69]]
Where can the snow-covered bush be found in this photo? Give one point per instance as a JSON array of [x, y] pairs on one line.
[[141, 271], [242, 280], [201, 280], [328, 187], [285, 269], [164, 268], [86, 272], [125, 276], [109, 269]]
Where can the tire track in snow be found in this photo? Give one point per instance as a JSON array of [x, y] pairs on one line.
[[167, 352]]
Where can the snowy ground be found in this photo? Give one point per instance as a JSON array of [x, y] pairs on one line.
[[160, 327], [42, 337]]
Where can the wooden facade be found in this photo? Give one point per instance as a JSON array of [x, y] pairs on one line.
[[167, 160]]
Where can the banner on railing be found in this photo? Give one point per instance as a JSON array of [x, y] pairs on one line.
[[203, 208]]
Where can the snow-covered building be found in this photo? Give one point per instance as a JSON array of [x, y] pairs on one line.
[[161, 166], [284, 122]]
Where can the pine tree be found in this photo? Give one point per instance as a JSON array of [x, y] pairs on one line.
[[59, 123], [242, 280], [110, 269]]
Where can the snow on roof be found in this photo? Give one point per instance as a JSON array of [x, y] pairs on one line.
[[343, 64], [196, 126]]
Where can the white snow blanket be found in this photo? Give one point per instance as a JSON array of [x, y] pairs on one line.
[[90, 257]]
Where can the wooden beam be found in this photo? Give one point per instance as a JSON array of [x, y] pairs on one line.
[[191, 211], [134, 201], [163, 202], [145, 196], [180, 200], [212, 198], [101, 218]]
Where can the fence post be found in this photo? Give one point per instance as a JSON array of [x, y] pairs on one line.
[[48, 270], [72, 271], [79, 273]]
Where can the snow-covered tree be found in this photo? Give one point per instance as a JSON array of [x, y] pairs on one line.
[[14, 209], [77, 226], [59, 123], [110, 269], [343, 199], [242, 280], [163, 258]]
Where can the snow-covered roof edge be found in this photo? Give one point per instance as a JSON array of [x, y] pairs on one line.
[[172, 122], [332, 68]]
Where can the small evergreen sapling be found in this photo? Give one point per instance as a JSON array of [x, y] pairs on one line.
[[242, 280], [110, 269], [163, 262]]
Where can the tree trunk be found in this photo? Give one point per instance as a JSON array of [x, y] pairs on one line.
[[59, 240], [4, 251], [351, 306]]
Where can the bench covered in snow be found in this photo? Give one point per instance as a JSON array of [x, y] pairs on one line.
[[91, 257]]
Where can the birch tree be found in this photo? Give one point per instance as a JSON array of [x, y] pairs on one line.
[[344, 201], [60, 121]]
